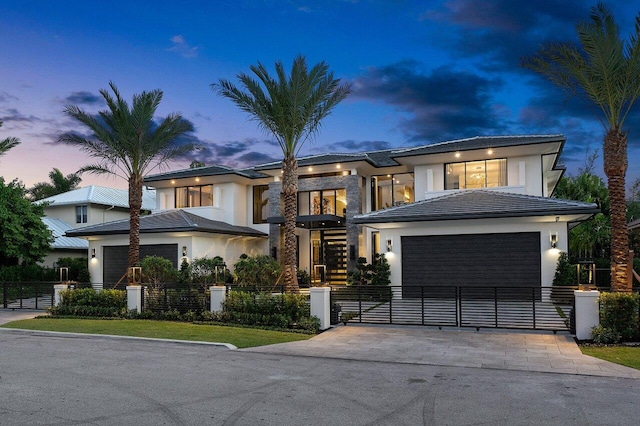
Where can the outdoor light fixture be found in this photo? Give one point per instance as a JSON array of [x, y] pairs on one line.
[[389, 244], [554, 240], [93, 253], [184, 251]]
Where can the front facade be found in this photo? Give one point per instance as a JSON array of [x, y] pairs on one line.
[[434, 210]]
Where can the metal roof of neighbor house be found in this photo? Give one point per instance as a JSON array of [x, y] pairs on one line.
[[101, 195], [167, 221], [58, 228], [477, 204], [635, 224], [381, 158]]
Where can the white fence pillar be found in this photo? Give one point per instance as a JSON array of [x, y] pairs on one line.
[[320, 298], [218, 296], [587, 313], [56, 293], [134, 298]]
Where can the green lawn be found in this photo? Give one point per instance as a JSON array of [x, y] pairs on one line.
[[624, 355], [238, 336]]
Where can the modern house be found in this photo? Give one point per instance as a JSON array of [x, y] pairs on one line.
[[476, 211], [80, 207]]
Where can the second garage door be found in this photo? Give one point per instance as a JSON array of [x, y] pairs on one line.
[[116, 259], [478, 260]]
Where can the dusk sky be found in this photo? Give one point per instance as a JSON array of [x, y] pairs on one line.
[[421, 72]]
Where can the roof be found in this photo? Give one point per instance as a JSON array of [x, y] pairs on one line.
[[477, 204], [167, 221], [101, 195], [58, 228], [634, 224], [381, 158]]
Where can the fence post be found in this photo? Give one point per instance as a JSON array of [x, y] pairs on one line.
[[56, 293], [587, 312], [134, 298], [218, 296], [320, 298]]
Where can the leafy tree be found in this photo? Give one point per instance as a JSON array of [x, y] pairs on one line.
[[128, 143], [291, 108], [158, 271], [603, 70], [195, 164], [25, 238], [7, 143], [209, 271], [260, 271], [59, 184]]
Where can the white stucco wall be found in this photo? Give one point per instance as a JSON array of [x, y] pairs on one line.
[[545, 226]]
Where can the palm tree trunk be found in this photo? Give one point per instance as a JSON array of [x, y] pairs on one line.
[[615, 167], [290, 193], [135, 204]]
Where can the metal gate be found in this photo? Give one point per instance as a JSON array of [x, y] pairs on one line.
[[535, 308], [27, 295]]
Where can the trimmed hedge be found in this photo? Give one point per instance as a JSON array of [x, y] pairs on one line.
[[619, 318], [87, 302]]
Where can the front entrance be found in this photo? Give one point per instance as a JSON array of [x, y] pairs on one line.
[[329, 256]]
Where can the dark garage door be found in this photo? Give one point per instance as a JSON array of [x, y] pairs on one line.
[[502, 260], [116, 259]]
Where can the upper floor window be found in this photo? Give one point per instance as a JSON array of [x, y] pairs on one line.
[[260, 201], [194, 196], [391, 190], [326, 201], [476, 174], [81, 214]]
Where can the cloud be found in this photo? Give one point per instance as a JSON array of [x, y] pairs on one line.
[[439, 104], [15, 120], [84, 98], [5, 97], [352, 146], [239, 154], [181, 47]]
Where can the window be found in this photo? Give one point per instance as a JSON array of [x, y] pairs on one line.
[[81, 214], [326, 201], [391, 190], [476, 174], [194, 196], [260, 201]]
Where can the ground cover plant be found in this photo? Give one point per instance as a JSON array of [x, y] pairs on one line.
[[242, 337]]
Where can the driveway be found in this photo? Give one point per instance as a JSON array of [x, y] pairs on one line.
[[8, 315]]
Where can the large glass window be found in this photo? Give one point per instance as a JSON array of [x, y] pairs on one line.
[[391, 190], [194, 196], [260, 201], [81, 214], [476, 174], [326, 201]]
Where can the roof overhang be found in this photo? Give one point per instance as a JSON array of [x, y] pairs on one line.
[[316, 221]]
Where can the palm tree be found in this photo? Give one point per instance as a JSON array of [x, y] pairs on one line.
[[603, 70], [291, 108], [59, 185], [8, 143], [128, 143]]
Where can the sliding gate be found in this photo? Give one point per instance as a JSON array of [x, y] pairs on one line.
[[536, 308]]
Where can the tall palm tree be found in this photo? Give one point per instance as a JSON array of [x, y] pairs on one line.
[[291, 108], [59, 184], [603, 70], [8, 143], [128, 143]]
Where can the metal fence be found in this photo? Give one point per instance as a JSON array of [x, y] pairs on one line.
[[27, 295], [537, 308], [179, 298]]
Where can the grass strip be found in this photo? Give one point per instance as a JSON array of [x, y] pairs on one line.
[[242, 337], [623, 355]]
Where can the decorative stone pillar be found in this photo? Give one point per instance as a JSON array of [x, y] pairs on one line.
[[320, 298], [587, 312], [218, 296], [134, 298], [56, 293]]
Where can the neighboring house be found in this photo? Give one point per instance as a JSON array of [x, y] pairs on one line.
[[81, 207], [473, 211]]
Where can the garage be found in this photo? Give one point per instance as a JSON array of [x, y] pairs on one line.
[[473, 260], [116, 259]]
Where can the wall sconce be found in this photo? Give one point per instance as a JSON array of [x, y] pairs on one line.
[[93, 253], [389, 244], [184, 251], [554, 240]]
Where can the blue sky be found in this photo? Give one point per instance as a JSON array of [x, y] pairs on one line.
[[421, 72]]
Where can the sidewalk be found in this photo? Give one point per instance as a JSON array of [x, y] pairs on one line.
[[8, 315], [490, 349]]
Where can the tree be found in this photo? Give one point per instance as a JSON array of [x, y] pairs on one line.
[[8, 143], [25, 238], [128, 143], [196, 164], [603, 70], [291, 108], [59, 184]]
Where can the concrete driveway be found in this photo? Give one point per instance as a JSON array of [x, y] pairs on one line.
[[8, 315]]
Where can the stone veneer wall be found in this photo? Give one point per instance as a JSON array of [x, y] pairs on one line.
[[354, 206]]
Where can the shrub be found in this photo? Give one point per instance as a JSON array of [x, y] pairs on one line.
[[209, 271], [604, 336], [619, 313], [304, 279], [87, 302], [259, 272], [566, 274], [157, 271], [378, 273]]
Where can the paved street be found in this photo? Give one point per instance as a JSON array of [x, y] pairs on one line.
[[67, 380]]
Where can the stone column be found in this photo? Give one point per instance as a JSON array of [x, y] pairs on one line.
[[320, 298], [56, 293], [134, 298], [218, 296], [587, 313]]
